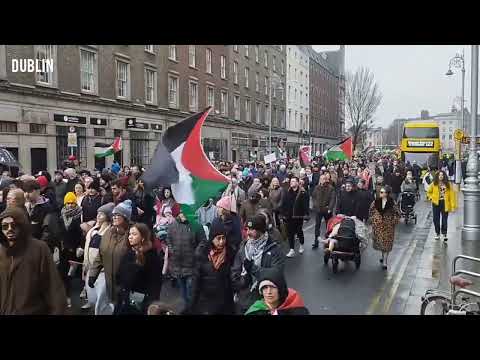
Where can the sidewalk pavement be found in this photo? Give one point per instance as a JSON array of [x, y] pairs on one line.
[[432, 270]]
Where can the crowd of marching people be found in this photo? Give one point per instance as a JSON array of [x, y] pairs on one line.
[[124, 242]]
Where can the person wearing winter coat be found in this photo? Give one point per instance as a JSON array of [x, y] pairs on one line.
[[294, 210], [60, 187], [121, 193], [255, 187], [207, 213], [29, 280], [444, 201], [42, 216], [282, 173], [323, 197], [347, 201], [97, 296], [72, 241], [212, 292], [275, 195], [273, 232], [144, 202], [166, 200], [257, 252], [139, 272], [230, 220], [234, 190], [182, 241], [250, 206], [276, 297], [364, 200], [384, 215], [112, 249], [409, 184], [396, 184], [90, 204], [47, 191]]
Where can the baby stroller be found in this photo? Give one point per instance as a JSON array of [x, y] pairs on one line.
[[407, 204], [346, 242]]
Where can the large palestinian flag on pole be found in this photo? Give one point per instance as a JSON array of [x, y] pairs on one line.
[[341, 151], [180, 162], [103, 150]]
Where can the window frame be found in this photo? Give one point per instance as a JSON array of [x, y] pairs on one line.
[[224, 102], [247, 76], [210, 87], [236, 109], [223, 67], [95, 71], [155, 92], [248, 110], [208, 54], [257, 54], [150, 50], [190, 48], [54, 80], [128, 80], [247, 51], [193, 108], [171, 104], [174, 48], [235, 72]]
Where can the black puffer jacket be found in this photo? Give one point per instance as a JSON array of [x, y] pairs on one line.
[[212, 289], [90, 205], [182, 242], [272, 257], [295, 204], [45, 223], [364, 200]]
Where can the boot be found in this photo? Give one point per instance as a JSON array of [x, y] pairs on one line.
[[315, 244]]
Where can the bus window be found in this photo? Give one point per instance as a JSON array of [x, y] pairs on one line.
[[421, 133], [423, 160]]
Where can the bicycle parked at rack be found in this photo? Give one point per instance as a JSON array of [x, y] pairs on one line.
[[439, 302]]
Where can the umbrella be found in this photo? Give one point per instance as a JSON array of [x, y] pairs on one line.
[[7, 159]]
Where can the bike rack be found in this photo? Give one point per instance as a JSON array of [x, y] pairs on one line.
[[464, 272]]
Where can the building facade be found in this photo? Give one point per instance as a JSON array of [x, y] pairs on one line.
[[374, 137], [297, 88], [100, 92], [327, 98]]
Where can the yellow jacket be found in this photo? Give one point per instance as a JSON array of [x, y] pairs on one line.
[[433, 194]]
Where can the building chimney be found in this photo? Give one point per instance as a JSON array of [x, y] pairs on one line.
[[424, 114]]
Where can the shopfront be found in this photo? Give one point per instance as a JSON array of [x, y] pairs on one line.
[[139, 142], [215, 149], [240, 147], [62, 131]]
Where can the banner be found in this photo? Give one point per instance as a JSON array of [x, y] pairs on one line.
[[305, 155], [269, 158]]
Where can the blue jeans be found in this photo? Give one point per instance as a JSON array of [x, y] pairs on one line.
[[185, 285]]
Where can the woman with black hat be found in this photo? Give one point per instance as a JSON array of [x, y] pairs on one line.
[[277, 298], [212, 292], [259, 251]]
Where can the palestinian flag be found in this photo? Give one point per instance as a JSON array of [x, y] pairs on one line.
[[304, 155], [341, 151], [180, 162], [103, 150]]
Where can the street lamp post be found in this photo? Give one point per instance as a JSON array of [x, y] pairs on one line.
[[270, 115], [471, 190], [458, 61]]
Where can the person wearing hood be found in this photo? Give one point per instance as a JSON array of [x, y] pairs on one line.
[[250, 206], [42, 216], [236, 192], [16, 198], [29, 280], [144, 202], [182, 241], [227, 216], [139, 273], [212, 292], [97, 296], [347, 201], [276, 297], [324, 197], [257, 252], [112, 249], [207, 213], [364, 199], [276, 195]]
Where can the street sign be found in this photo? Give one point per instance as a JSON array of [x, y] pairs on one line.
[[458, 134], [72, 139]]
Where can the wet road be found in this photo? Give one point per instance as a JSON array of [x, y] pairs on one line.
[[368, 290]]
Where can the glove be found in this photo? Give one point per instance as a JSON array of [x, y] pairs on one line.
[[91, 281], [247, 264]]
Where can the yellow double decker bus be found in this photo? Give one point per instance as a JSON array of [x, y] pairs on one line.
[[421, 143]]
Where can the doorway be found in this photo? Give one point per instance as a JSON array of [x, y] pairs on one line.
[[38, 159]]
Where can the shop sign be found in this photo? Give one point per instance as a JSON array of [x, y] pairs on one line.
[[70, 119]]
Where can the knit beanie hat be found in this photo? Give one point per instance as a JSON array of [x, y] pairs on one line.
[[69, 198], [124, 209], [43, 181], [226, 203], [107, 209]]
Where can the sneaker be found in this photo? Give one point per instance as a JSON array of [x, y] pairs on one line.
[[69, 302], [437, 237], [445, 238], [83, 294], [86, 306], [384, 267], [301, 249], [291, 253]]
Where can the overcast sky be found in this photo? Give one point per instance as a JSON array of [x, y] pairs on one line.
[[411, 77]]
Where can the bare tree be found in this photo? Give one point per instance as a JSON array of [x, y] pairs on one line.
[[362, 98]]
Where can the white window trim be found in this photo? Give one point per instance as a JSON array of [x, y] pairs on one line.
[[194, 66], [247, 77], [95, 71], [171, 104], [224, 104], [235, 72], [54, 83], [195, 107], [237, 108], [129, 81], [211, 61], [155, 74], [176, 53], [150, 51], [206, 96], [248, 110], [223, 69]]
